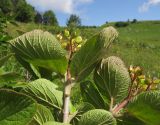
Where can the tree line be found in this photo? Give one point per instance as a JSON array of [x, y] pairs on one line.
[[20, 10]]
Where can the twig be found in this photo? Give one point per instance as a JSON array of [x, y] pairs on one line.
[[68, 86]]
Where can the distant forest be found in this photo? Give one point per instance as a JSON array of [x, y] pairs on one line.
[[20, 10]]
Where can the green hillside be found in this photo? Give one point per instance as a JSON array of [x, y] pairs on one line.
[[138, 43]]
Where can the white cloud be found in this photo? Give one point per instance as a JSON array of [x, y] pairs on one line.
[[145, 7], [64, 6]]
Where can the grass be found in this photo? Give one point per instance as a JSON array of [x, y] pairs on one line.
[[14, 30], [138, 44]]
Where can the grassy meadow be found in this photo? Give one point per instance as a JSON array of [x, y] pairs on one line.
[[138, 43]]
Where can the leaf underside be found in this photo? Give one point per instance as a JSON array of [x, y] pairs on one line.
[[41, 49], [97, 117], [45, 92], [112, 79], [85, 60]]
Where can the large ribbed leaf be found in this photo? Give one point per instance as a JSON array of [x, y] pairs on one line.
[[55, 123], [42, 116], [97, 117], [44, 92], [16, 108], [92, 95], [112, 79], [146, 107], [40, 49], [91, 53]]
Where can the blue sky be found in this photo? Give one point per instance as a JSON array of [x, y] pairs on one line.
[[97, 12]]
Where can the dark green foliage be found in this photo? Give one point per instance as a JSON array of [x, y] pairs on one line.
[[49, 18], [16, 108], [4, 37], [38, 18], [128, 119], [25, 13], [3, 23], [17, 9], [146, 107], [7, 77], [91, 95], [87, 27], [6, 7], [121, 24], [74, 21], [134, 21], [18, 3], [4, 59]]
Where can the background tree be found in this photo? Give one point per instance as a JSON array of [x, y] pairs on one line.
[[38, 18], [6, 7], [134, 21], [18, 3], [74, 21], [49, 18], [25, 13], [10, 8]]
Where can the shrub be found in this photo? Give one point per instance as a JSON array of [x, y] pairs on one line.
[[121, 24], [114, 90], [134, 21]]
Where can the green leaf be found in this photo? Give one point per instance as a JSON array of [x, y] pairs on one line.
[[34, 70], [112, 79], [44, 92], [92, 95], [4, 59], [84, 107], [42, 116], [97, 117], [40, 49], [128, 119], [29, 67], [85, 60], [11, 77], [146, 107], [16, 108], [55, 123]]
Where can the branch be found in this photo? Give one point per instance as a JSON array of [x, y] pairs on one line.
[[68, 87], [125, 101], [111, 104], [120, 106]]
